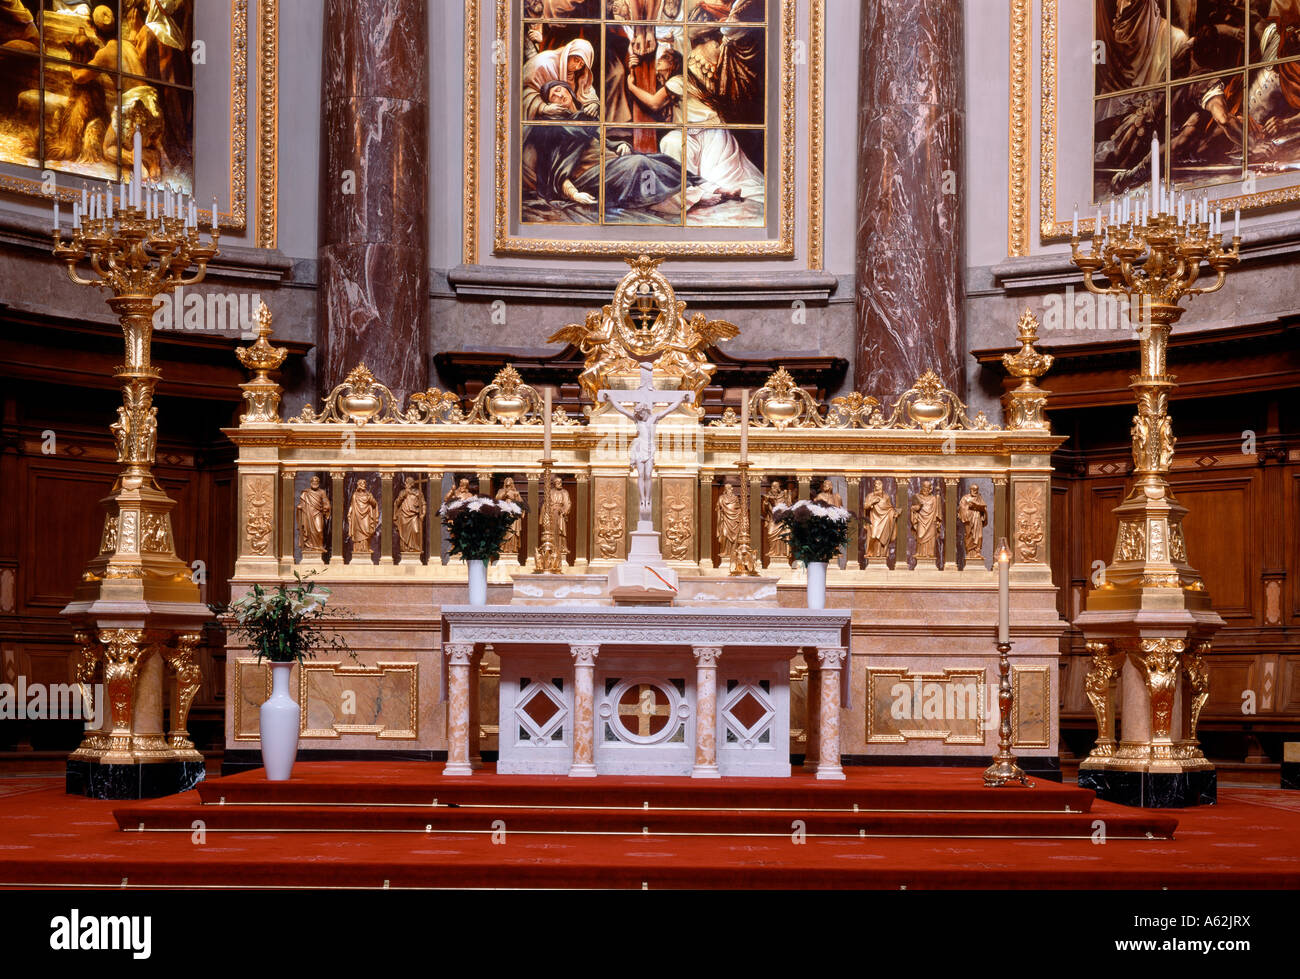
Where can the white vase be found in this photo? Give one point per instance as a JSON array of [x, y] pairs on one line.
[[817, 584], [280, 717], [477, 582]]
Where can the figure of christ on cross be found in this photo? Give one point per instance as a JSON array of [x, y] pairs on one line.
[[641, 454]]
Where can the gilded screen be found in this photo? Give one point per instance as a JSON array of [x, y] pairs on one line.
[[79, 79], [1218, 81], [643, 112]]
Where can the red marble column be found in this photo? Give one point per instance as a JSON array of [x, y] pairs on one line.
[[910, 196], [373, 293]]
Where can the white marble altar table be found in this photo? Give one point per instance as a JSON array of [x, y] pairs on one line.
[[616, 690]]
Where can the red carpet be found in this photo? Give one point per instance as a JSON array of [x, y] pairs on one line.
[[376, 825]]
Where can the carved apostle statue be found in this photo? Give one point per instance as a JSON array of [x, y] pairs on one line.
[[460, 491], [313, 512], [881, 516], [828, 496], [728, 518], [363, 519], [973, 512], [558, 507], [513, 540], [408, 512], [778, 548], [926, 521]]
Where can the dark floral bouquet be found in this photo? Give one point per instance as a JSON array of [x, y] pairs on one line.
[[477, 526], [817, 532], [288, 622]]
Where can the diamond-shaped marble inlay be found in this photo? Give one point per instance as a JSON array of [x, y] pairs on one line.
[[748, 711], [540, 708]]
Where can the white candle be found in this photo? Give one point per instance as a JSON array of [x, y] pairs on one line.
[[56, 214], [1076, 219], [1004, 592], [135, 161], [85, 205], [1236, 223], [121, 195], [1182, 208], [194, 215], [108, 200], [76, 215], [744, 420], [1096, 224], [1155, 168], [546, 427], [214, 215]]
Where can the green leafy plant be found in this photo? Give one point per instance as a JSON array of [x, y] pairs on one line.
[[287, 623], [816, 532], [477, 526]]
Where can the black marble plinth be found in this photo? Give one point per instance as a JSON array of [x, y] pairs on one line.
[[1152, 790], [146, 781], [1291, 774]]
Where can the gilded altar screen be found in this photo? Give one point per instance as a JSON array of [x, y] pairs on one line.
[[78, 79], [643, 112]]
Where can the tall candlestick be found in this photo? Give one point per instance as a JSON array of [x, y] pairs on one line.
[[744, 420], [1004, 591], [546, 427]]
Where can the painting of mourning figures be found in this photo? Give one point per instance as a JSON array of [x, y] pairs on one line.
[[644, 112], [1215, 80], [78, 80]]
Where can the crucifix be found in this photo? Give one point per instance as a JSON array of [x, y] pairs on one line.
[[641, 454]]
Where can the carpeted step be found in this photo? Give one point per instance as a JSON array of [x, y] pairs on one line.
[[172, 816], [419, 784]]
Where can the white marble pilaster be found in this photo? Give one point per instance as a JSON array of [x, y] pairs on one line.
[[831, 660], [706, 712], [584, 735], [460, 658]]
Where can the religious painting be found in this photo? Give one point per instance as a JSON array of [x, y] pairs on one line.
[[1209, 78], [678, 106], [78, 80]]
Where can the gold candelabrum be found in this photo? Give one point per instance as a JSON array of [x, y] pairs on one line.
[[137, 609], [1150, 619], [745, 560]]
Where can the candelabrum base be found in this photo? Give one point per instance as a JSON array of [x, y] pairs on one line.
[[1152, 790], [1004, 771]]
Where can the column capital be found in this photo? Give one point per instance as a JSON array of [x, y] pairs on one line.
[[707, 657], [831, 657], [459, 653], [584, 655]]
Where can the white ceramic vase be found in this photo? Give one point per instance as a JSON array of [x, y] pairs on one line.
[[280, 717], [817, 584], [477, 582]]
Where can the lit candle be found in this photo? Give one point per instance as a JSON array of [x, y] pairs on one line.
[[1003, 558], [744, 421], [135, 164], [1155, 168], [546, 427]]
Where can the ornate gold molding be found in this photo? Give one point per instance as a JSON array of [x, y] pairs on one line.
[[1021, 119], [268, 120], [816, 127], [504, 243]]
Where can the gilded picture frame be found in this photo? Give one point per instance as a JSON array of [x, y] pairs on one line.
[[490, 44], [264, 129], [1055, 217]]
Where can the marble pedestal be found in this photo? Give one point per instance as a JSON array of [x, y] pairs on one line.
[[600, 690]]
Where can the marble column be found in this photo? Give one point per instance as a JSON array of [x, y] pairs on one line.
[[831, 660], [909, 260], [706, 712], [584, 712], [812, 724], [373, 294], [460, 657]]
